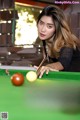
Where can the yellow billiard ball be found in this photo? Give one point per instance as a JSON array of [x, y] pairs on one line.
[[31, 76]]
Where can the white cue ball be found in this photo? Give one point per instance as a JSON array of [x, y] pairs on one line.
[[31, 76]]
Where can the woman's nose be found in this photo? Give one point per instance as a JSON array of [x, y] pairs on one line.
[[43, 28]]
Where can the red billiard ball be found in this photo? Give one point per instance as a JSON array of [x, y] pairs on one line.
[[17, 79]]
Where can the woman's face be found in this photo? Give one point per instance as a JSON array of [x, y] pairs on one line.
[[46, 28]]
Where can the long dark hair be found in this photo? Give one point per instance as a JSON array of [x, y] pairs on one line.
[[63, 36]]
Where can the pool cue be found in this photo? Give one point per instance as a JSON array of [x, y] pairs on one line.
[[40, 65]]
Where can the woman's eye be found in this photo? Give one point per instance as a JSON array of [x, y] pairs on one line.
[[41, 23], [49, 26]]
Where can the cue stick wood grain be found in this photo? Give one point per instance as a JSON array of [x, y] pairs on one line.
[[40, 65]]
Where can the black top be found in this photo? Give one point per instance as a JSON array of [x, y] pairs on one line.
[[69, 58]]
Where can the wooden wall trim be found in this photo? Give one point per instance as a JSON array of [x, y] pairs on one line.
[[31, 2]]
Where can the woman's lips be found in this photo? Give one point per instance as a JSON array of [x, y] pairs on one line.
[[42, 35]]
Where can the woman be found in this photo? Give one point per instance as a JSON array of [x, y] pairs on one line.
[[58, 41]]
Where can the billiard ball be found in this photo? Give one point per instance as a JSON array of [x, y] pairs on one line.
[[31, 76], [17, 79]]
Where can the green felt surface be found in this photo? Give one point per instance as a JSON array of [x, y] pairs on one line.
[[53, 97]]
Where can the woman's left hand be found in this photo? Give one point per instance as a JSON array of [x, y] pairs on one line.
[[45, 69]]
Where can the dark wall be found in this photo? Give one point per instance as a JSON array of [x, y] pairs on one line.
[[73, 17]]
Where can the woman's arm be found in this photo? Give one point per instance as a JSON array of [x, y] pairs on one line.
[[56, 65], [50, 67], [63, 62]]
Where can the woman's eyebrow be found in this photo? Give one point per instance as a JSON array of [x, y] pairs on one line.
[[50, 23], [41, 21], [47, 23]]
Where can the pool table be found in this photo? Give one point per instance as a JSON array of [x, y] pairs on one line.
[[55, 96]]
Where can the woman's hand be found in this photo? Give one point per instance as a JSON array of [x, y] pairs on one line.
[[44, 69]]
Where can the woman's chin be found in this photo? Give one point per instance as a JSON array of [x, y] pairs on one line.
[[41, 38]]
